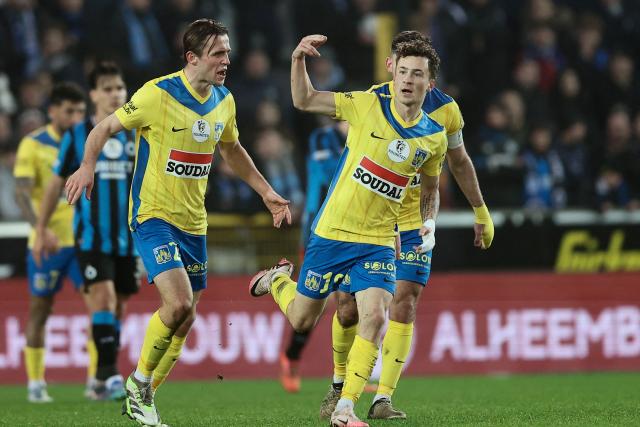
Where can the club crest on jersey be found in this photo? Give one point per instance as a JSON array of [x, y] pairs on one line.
[[162, 254], [112, 149], [217, 130], [201, 130], [398, 150], [312, 281], [380, 180], [419, 158], [184, 164]]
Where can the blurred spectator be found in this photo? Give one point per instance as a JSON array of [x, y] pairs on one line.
[[276, 162], [136, 41], [573, 150], [258, 83], [591, 57], [514, 107], [9, 210], [19, 44], [612, 190], [570, 100], [542, 48], [496, 158], [7, 100], [621, 19], [58, 60], [544, 174], [527, 83], [28, 121], [6, 139], [620, 86], [325, 74], [32, 95], [229, 194]]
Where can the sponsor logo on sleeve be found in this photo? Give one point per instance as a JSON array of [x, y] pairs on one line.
[[380, 180], [129, 107], [217, 131], [185, 164]]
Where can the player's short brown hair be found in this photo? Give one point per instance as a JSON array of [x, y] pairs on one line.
[[198, 34], [407, 36], [417, 47]]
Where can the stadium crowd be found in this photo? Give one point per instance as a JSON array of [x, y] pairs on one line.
[[550, 90]]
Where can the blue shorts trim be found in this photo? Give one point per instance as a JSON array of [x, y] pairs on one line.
[[351, 267], [412, 266], [47, 280], [163, 246]]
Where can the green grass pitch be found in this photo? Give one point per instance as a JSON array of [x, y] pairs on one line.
[[610, 399]]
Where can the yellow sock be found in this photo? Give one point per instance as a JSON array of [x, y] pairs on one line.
[[92, 367], [283, 291], [341, 342], [156, 342], [34, 362], [395, 349], [168, 361], [362, 358]]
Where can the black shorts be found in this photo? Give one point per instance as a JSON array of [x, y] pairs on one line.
[[124, 271]]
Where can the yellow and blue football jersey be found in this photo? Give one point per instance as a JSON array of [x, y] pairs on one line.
[[177, 131], [444, 110], [383, 154], [36, 156]]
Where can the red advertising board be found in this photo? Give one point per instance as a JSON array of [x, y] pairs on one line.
[[466, 323]]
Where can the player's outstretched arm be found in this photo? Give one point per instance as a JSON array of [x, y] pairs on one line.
[[429, 206], [241, 163], [464, 173], [305, 97], [83, 178]]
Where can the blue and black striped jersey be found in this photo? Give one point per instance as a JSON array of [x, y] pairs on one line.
[[101, 225]]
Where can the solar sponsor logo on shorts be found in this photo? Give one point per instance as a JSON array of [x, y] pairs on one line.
[[380, 180], [185, 164]]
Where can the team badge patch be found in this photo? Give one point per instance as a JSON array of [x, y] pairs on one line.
[[201, 130], [419, 158], [162, 254], [312, 281], [217, 130], [398, 150]]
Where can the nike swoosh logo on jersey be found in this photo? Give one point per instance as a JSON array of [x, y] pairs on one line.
[[399, 361], [373, 135], [388, 280], [360, 376], [177, 130]]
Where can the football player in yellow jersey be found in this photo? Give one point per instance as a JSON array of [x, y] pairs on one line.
[[413, 268], [36, 155], [390, 142], [179, 120]]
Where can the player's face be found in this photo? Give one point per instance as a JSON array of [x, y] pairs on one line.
[[411, 79], [67, 114], [109, 95], [213, 62]]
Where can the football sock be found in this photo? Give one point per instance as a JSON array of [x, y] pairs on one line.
[[297, 344], [93, 358], [168, 361], [104, 336], [156, 342], [283, 291], [341, 342], [362, 358], [34, 362], [395, 349], [118, 326]]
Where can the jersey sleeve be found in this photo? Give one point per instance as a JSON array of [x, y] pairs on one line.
[[454, 127], [230, 132], [353, 106], [67, 161], [139, 111], [25, 159], [433, 165]]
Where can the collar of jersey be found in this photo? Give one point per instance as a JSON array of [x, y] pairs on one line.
[[191, 90], [52, 131], [398, 117]]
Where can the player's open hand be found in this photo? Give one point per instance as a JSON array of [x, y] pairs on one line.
[[308, 46], [77, 183], [45, 243], [278, 207]]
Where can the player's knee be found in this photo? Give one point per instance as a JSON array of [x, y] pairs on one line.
[[347, 317], [403, 311], [181, 308], [303, 324], [374, 320]]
